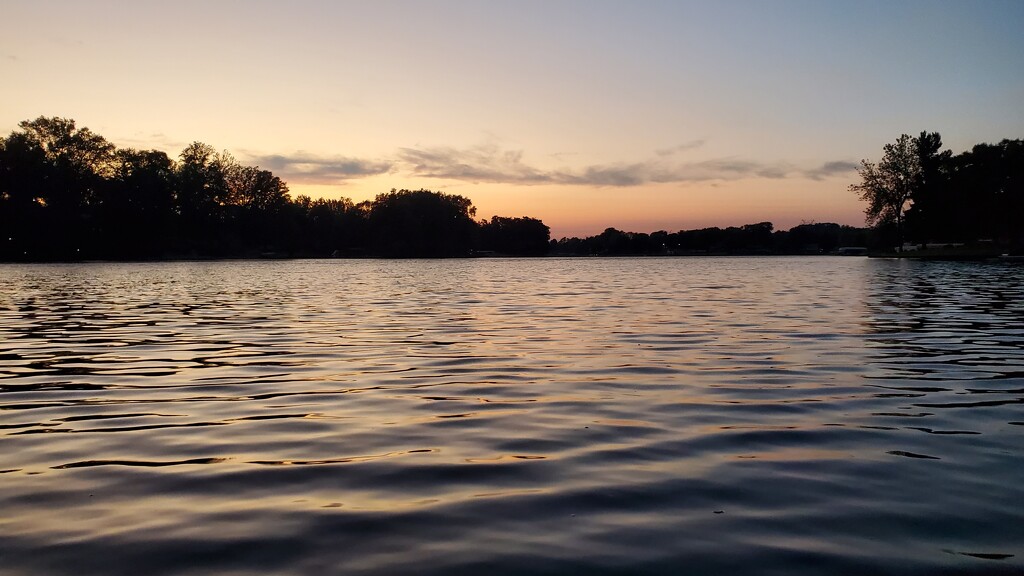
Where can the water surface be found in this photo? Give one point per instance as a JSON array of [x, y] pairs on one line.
[[536, 416]]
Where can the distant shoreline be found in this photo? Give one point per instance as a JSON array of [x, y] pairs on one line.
[[937, 255]]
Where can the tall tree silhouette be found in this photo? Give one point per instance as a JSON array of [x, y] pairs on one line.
[[422, 223], [888, 186], [936, 206], [137, 209], [202, 194], [515, 236], [54, 173], [993, 175]]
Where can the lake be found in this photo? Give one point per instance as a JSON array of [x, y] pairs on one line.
[[813, 415]]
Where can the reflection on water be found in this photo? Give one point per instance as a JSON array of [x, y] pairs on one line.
[[660, 416]]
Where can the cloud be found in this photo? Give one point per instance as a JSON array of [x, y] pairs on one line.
[[484, 163], [733, 169], [489, 163], [149, 141], [614, 175], [691, 145], [831, 169], [311, 169]]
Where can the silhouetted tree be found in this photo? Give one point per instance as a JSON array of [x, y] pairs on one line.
[[991, 179], [60, 169], [202, 194], [255, 201], [756, 238], [818, 238], [421, 224], [888, 186], [253, 189], [137, 208], [515, 236], [611, 242], [335, 227], [22, 203]]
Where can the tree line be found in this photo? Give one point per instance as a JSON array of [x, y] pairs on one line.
[[751, 239], [919, 193], [66, 193]]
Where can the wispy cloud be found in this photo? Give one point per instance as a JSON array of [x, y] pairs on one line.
[[489, 163], [831, 169], [312, 169], [484, 163], [691, 145], [155, 140], [732, 169]]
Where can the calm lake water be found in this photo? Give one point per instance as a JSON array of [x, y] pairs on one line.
[[537, 416]]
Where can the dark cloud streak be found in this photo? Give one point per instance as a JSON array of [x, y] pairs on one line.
[[311, 169], [485, 163], [691, 145], [831, 169]]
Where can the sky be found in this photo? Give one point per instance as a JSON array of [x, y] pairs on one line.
[[642, 115]]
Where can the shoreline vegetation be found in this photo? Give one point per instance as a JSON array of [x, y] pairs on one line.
[[927, 203], [67, 194]]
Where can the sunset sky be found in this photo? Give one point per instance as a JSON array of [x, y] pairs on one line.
[[641, 115]]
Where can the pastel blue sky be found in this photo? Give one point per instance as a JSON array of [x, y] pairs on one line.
[[640, 115]]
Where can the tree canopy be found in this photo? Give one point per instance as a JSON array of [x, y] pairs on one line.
[[421, 223], [519, 236], [887, 186], [925, 194]]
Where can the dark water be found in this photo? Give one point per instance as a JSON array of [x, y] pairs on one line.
[[587, 416]]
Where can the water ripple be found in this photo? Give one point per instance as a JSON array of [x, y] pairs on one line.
[[547, 416]]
